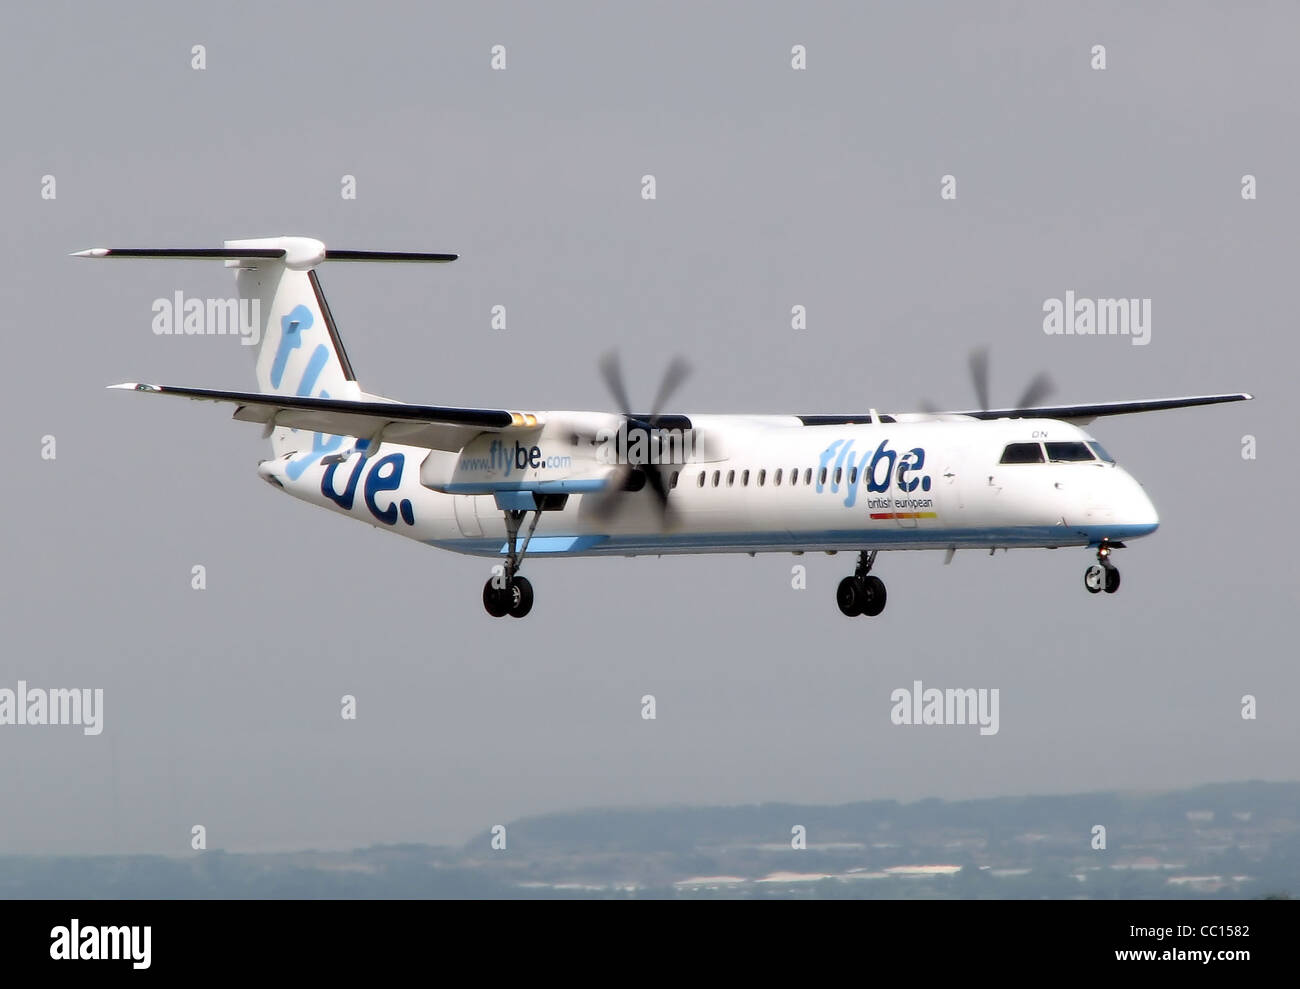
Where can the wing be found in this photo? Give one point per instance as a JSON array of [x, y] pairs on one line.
[[1081, 414], [431, 426], [1078, 414]]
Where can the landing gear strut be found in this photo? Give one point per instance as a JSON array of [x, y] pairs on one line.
[[507, 593], [863, 593], [1102, 575]]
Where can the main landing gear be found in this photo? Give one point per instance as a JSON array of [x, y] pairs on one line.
[[513, 598], [863, 593], [506, 593], [1103, 575]]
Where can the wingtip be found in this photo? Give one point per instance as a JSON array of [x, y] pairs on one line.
[[133, 386]]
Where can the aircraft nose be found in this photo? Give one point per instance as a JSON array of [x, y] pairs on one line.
[[1136, 508]]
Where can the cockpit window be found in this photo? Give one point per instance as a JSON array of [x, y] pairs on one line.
[[1022, 453], [1068, 452], [1100, 451]]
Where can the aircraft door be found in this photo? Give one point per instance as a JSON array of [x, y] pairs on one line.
[[467, 516]]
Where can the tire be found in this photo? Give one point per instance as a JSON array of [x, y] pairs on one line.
[[849, 597], [520, 597], [496, 601], [873, 597], [1094, 578], [1112, 580]]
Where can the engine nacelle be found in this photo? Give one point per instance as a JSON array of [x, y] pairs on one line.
[[560, 457]]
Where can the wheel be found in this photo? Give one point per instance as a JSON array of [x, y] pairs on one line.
[[1112, 580], [1094, 578], [873, 595], [520, 597], [496, 600], [849, 596]]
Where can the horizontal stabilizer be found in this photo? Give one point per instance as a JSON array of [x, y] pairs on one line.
[[183, 253], [332, 255], [237, 254]]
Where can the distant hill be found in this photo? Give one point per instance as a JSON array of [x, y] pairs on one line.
[[1222, 840]]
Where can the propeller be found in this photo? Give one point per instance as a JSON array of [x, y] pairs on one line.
[[1039, 387], [979, 375], [630, 477]]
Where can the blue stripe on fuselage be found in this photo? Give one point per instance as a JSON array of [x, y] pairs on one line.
[[575, 486], [777, 542]]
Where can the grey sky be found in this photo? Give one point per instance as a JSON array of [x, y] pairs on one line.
[[775, 188]]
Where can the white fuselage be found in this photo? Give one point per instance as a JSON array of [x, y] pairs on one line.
[[765, 484]]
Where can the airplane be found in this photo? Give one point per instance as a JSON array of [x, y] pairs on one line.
[[506, 483]]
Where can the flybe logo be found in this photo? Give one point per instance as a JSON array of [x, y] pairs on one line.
[[384, 475], [293, 328], [506, 459], [883, 471]]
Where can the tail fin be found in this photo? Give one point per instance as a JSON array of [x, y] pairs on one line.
[[300, 351]]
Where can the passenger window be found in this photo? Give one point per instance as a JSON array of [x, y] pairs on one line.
[[744, 478], [1100, 451], [717, 476], [1068, 452], [821, 476], [731, 478], [794, 477], [762, 476], [777, 478], [807, 475], [672, 481], [839, 472], [701, 479], [853, 476], [1022, 453]]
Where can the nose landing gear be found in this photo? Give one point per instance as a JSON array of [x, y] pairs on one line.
[[1102, 575], [863, 593]]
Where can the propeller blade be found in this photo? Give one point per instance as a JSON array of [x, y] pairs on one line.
[[1038, 388], [676, 372], [613, 375], [1036, 391], [655, 481], [606, 503], [979, 373]]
